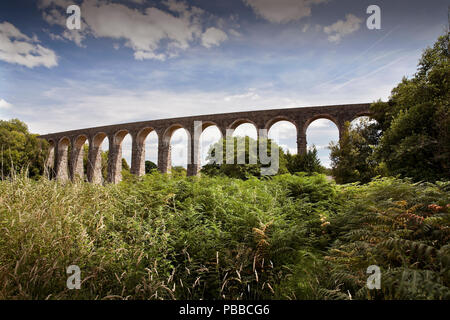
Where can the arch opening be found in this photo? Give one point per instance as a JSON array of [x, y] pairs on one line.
[[177, 139], [148, 139], [319, 133], [284, 133], [125, 154], [245, 129], [210, 136]]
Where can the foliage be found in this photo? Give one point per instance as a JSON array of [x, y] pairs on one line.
[[251, 167], [352, 157], [412, 135], [308, 162], [178, 171], [172, 237], [149, 166], [20, 150], [125, 166], [416, 119], [401, 227]]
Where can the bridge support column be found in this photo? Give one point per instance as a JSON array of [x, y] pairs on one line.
[[114, 159], [94, 167], [194, 162], [61, 161], [76, 166], [137, 157], [341, 128], [301, 143], [164, 156], [50, 162], [194, 165]]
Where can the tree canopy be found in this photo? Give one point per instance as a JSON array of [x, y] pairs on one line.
[[416, 119], [352, 157], [288, 163], [412, 134], [20, 150]]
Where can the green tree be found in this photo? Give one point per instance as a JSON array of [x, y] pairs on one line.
[[352, 157], [149, 166], [308, 162], [241, 171], [416, 119], [125, 165], [21, 150], [178, 171]]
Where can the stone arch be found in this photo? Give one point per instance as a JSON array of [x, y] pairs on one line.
[[274, 120], [362, 114], [167, 136], [77, 157], [64, 142], [80, 140], [62, 159], [289, 138], [98, 139], [115, 155], [143, 133], [206, 144], [236, 123], [165, 150], [320, 116], [138, 150], [234, 149], [207, 124], [94, 171], [231, 129]]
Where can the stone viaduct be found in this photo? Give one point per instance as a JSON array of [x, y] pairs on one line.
[[66, 166]]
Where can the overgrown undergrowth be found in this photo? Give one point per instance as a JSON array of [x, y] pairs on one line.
[[289, 237]]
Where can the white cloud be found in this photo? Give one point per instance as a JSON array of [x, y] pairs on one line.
[[4, 104], [251, 94], [246, 129], [282, 11], [320, 123], [235, 33], [213, 37], [75, 36], [342, 28], [151, 32], [16, 47]]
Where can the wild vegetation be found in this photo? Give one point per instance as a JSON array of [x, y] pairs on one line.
[[161, 237]]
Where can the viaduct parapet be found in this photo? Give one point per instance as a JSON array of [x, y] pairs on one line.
[[66, 166]]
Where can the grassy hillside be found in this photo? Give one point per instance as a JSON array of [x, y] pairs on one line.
[[288, 237]]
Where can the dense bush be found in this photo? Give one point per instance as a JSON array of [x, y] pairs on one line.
[[162, 237]]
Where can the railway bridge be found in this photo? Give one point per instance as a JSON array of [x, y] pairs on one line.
[[67, 166]]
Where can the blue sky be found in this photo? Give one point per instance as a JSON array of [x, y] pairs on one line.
[[140, 60]]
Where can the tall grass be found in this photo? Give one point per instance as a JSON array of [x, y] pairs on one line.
[[160, 237]]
